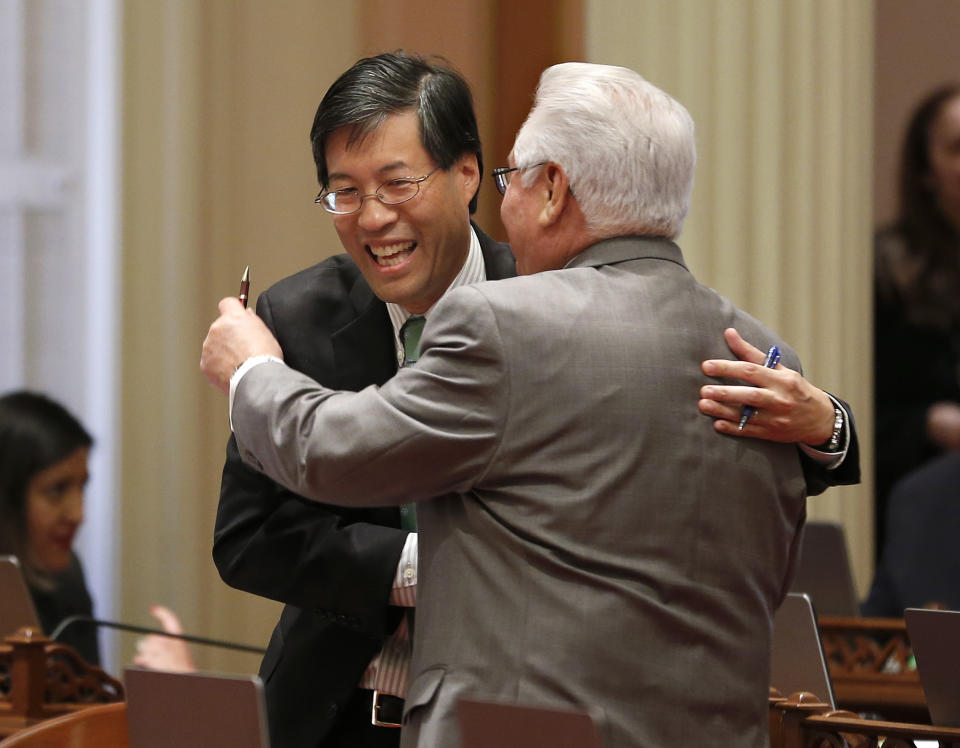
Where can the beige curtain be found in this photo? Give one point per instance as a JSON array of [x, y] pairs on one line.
[[219, 98]]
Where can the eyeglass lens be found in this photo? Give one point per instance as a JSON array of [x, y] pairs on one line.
[[393, 192], [501, 178]]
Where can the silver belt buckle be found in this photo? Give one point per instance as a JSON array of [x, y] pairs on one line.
[[374, 716]]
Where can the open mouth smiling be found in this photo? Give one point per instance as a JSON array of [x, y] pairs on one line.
[[390, 255]]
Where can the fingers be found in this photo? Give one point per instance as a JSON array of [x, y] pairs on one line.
[[157, 652], [750, 429], [716, 409], [167, 618], [756, 374], [760, 426], [741, 348], [737, 395], [750, 367]]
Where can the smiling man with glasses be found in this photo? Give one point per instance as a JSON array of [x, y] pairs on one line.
[[398, 159], [398, 156]]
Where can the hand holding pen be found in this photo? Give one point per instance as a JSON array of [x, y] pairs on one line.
[[794, 410], [235, 336], [770, 362]]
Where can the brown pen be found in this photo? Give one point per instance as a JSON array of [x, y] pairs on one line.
[[245, 286]]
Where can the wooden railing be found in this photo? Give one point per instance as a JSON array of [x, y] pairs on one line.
[[804, 721], [40, 679], [871, 666]]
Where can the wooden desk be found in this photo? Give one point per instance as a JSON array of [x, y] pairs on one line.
[[871, 666]]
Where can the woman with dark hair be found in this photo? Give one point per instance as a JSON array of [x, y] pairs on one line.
[[43, 472], [917, 302]]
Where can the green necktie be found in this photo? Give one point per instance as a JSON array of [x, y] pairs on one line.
[[410, 337]]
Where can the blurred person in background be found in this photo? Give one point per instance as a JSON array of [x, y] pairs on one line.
[[920, 566], [44, 453], [917, 303]]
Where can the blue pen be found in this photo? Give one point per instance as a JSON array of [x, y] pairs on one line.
[[772, 359]]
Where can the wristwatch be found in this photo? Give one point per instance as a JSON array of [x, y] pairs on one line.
[[833, 443]]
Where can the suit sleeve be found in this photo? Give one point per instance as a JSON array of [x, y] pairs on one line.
[[847, 473], [273, 543], [432, 429]]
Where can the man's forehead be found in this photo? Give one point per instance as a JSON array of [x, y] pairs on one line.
[[392, 144]]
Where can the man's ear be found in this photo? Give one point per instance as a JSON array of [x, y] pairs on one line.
[[467, 172], [557, 193]]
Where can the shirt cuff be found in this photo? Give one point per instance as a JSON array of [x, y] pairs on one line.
[[404, 592], [831, 460], [239, 374]]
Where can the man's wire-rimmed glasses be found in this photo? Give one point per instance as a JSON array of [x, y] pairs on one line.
[[503, 174], [392, 192]]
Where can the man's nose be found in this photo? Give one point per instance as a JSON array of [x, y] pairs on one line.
[[374, 215]]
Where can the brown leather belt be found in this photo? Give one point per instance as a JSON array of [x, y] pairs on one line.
[[386, 710]]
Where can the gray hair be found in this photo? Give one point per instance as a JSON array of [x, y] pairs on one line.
[[627, 147]]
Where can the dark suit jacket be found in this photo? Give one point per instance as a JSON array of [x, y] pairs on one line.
[[332, 567]]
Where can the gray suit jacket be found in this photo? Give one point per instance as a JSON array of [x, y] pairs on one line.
[[596, 543]]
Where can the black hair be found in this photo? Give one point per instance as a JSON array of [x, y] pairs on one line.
[[376, 87], [35, 433], [930, 236], [918, 205]]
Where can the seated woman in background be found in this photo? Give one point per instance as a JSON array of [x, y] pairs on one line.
[[917, 302], [43, 473]]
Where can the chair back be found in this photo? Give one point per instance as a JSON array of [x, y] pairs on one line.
[[823, 570], [509, 725], [195, 710]]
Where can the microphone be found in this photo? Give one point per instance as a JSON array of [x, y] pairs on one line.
[[87, 620]]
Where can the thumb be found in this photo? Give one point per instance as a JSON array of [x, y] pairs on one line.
[[741, 348], [167, 618], [230, 305]]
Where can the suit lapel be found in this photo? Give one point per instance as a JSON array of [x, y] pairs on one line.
[[363, 349]]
